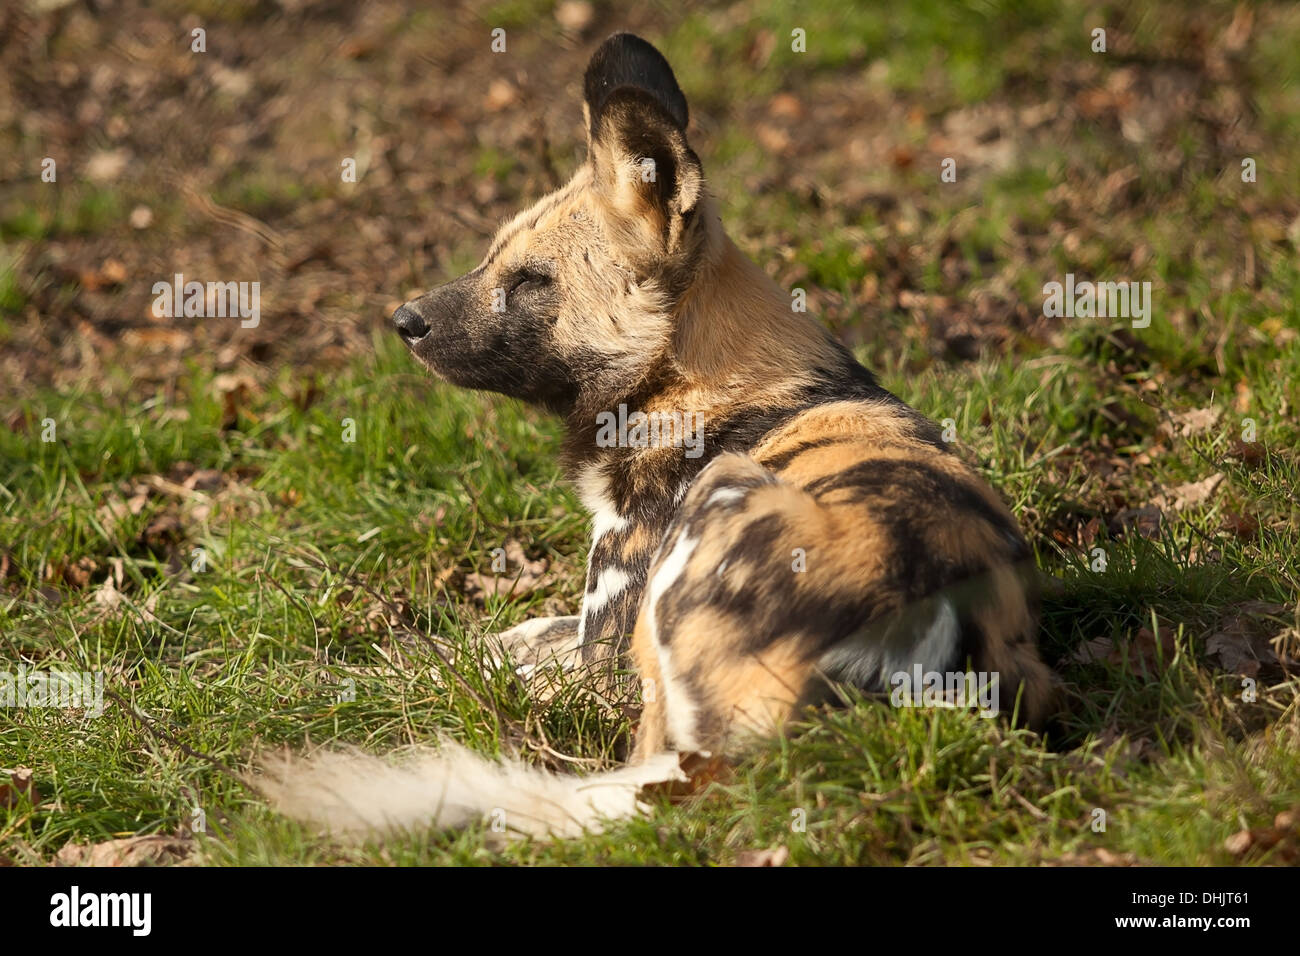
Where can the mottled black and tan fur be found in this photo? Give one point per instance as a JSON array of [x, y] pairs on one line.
[[825, 532]]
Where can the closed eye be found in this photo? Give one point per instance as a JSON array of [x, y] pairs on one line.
[[526, 280]]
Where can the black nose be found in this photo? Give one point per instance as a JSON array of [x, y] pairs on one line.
[[409, 323]]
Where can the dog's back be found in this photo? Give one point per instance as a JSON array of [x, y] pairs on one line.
[[849, 545]]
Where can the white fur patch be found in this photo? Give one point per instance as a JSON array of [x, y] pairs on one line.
[[723, 495], [595, 496], [608, 584], [862, 664], [679, 709], [669, 570], [604, 520], [937, 648]]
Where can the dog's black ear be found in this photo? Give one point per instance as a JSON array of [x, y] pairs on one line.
[[625, 60], [646, 173]]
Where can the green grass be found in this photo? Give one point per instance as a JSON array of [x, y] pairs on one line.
[[329, 564], [250, 654]]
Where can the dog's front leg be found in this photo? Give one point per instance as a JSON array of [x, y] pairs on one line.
[[621, 550], [542, 643]]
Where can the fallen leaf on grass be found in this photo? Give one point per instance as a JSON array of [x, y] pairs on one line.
[[154, 850], [1137, 747], [1188, 424], [234, 389], [1097, 649], [501, 93], [1284, 835], [75, 574], [107, 596], [1249, 453], [1242, 644], [115, 508], [109, 274], [1094, 856], [106, 165], [1192, 493], [1148, 655], [1073, 531], [773, 857], [1144, 652], [389, 617], [1145, 521], [1233, 653], [19, 788], [164, 531], [522, 576], [700, 769], [1242, 525], [785, 106]]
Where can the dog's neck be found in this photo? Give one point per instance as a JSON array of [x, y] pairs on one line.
[[741, 360], [737, 335]]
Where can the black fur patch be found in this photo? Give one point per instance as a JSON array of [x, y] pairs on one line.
[[626, 60]]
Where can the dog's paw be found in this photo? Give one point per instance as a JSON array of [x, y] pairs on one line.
[[542, 644]]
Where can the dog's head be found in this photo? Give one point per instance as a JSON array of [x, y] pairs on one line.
[[575, 297]]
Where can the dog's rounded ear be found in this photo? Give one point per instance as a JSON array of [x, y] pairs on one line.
[[645, 171], [627, 60]]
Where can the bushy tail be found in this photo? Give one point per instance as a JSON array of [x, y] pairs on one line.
[[349, 792]]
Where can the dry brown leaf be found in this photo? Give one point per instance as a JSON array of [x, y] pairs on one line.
[[1233, 653], [107, 596], [1238, 843], [1144, 653], [1244, 526], [1098, 649], [165, 529], [1187, 495], [1145, 521], [701, 769], [19, 789], [773, 857], [1241, 643], [1249, 453], [1147, 654], [154, 850], [1283, 836], [106, 165], [1137, 747], [234, 389], [115, 509], [785, 106], [772, 138], [1196, 422], [522, 576], [1094, 856], [77, 574]]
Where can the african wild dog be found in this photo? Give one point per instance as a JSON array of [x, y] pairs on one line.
[[622, 289]]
